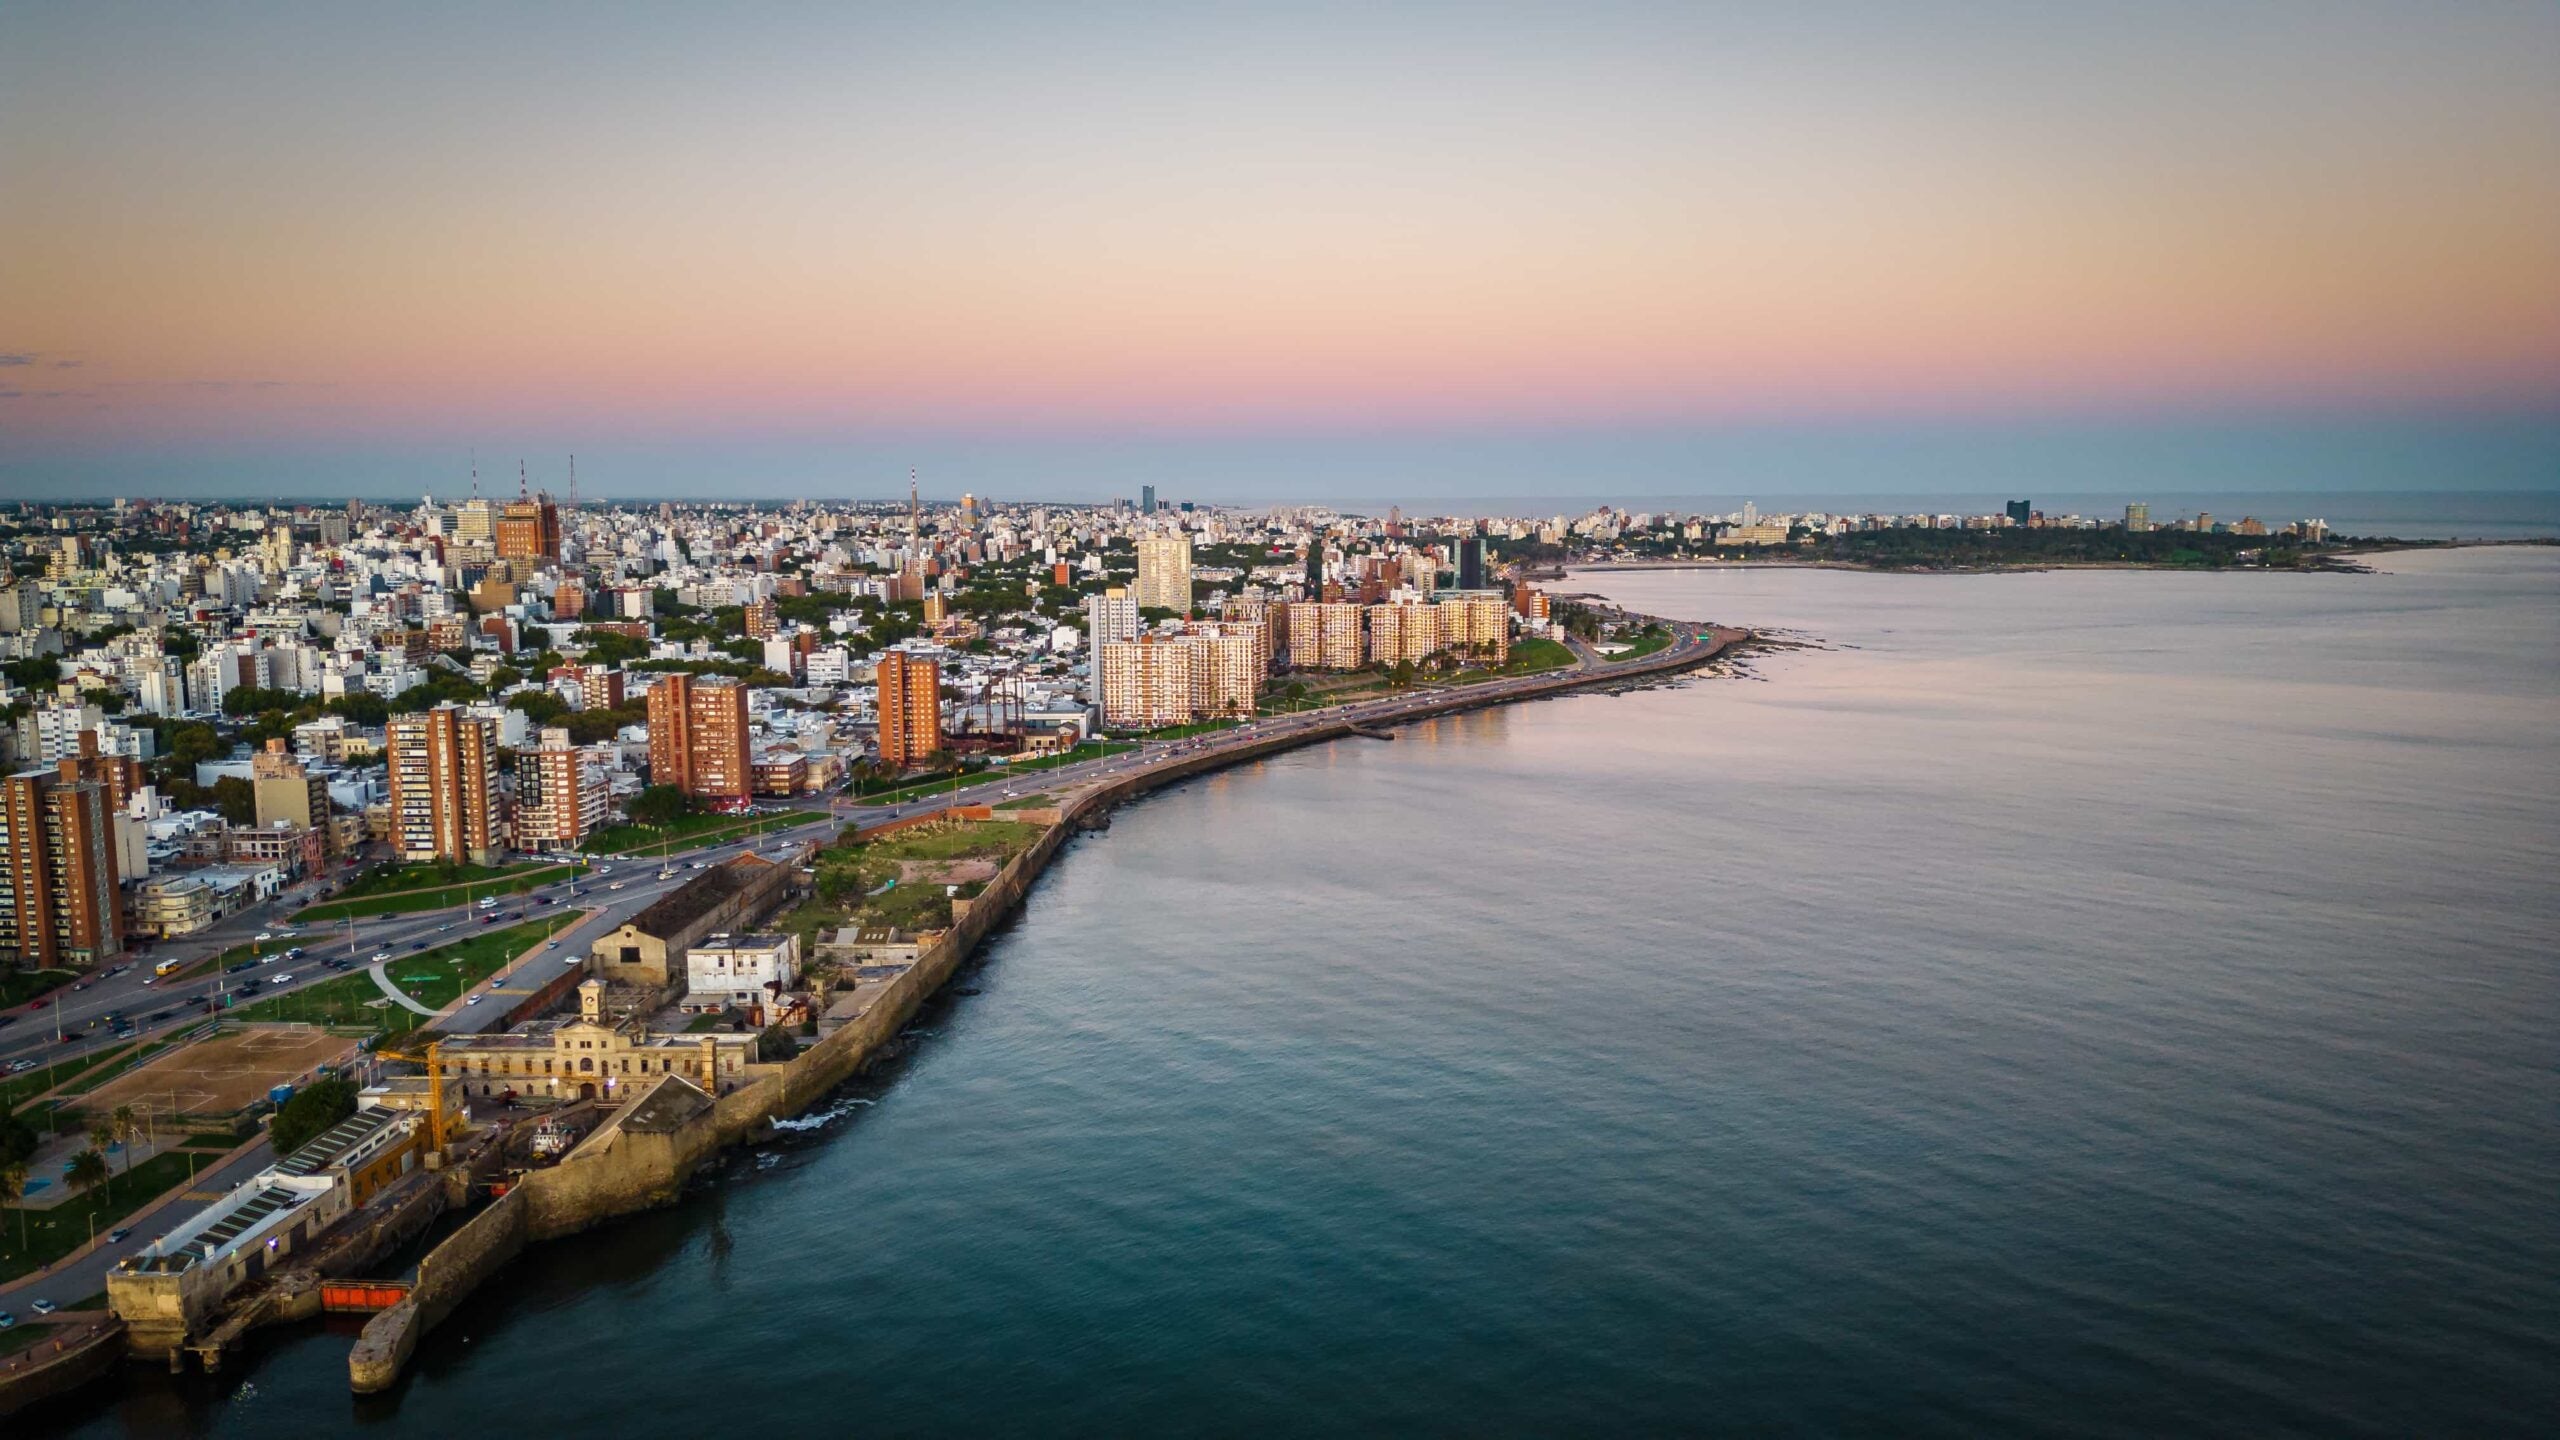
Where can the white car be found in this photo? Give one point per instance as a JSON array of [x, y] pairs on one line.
[[281, 980], [616, 885], [474, 1000], [379, 956], [265, 935], [17, 1066], [42, 1307]]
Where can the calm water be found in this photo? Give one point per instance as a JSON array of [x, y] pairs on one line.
[[2095, 1003]]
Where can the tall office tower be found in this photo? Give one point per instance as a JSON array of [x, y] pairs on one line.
[[1146, 499], [2020, 512], [475, 522], [1164, 573], [284, 790], [445, 803], [910, 708], [529, 529], [1111, 615], [698, 736], [562, 794], [2137, 516], [1471, 563], [1315, 568], [1146, 683], [58, 904]]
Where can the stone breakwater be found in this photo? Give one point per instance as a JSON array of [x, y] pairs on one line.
[[627, 1167]]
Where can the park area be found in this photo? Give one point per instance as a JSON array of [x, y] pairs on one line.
[[689, 832], [408, 888], [434, 978]]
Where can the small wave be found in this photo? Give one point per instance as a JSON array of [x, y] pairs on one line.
[[822, 1118]]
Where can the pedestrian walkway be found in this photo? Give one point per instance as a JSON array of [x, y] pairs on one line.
[[382, 981]]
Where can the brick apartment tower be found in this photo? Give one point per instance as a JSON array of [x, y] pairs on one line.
[[698, 736], [59, 907], [444, 787], [910, 708]]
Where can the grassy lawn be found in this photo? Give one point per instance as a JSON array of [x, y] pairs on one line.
[[13, 1341], [18, 987], [1646, 642], [692, 832], [434, 978], [56, 1232], [1534, 654], [851, 875], [20, 1088], [400, 879], [1028, 802], [531, 876]]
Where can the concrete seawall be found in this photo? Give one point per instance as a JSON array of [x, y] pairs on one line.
[[627, 1172]]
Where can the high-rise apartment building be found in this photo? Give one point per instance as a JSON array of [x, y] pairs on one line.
[[1325, 636], [1164, 573], [58, 902], [1226, 668], [2137, 516], [910, 708], [562, 794], [1478, 624], [445, 803], [698, 736], [1403, 632], [1146, 683], [762, 621], [1111, 615]]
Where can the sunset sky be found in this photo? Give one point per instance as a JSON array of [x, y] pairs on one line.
[[1257, 250]]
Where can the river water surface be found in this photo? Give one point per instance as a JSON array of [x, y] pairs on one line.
[[2075, 1003]]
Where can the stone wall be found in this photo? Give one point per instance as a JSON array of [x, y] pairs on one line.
[[450, 1273], [42, 1372]]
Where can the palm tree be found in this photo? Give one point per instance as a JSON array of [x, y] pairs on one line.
[[13, 1188], [128, 1129], [102, 1134], [88, 1170]]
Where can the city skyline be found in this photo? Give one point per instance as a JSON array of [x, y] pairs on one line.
[[1631, 248]]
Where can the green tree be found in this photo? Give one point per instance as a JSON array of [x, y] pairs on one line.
[[660, 806], [102, 1135], [314, 1108], [13, 1188], [127, 1128], [88, 1170], [237, 799]]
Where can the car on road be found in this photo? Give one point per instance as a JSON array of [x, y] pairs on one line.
[[616, 885], [474, 1000], [150, 979], [7, 1320], [284, 979], [294, 954], [42, 1307], [115, 970], [554, 945], [119, 1235], [243, 965], [604, 869], [157, 1015], [21, 1066], [265, 935], [269, 959], [443, 928], [379, 956], [418, 945]]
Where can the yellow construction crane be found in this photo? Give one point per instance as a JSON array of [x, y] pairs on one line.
[[433, 1058]]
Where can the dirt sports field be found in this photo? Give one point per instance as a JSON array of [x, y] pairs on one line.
[[217, 1076]]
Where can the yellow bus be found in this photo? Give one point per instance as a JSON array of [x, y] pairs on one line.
[[167, 968]]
